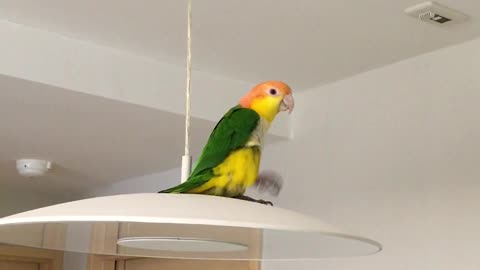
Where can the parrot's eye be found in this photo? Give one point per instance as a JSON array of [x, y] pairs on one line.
[[273, 92]]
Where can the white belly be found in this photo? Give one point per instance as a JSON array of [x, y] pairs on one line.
[[258, 134]]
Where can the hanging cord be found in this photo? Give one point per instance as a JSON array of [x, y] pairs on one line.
[[187, 159]]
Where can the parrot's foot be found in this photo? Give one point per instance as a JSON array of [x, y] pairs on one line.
[[250, 199]]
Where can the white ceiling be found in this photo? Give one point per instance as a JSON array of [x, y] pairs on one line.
[[91, 140], [305, 42]]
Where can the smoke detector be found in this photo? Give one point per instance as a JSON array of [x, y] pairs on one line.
[[435, 13], [33, 167]]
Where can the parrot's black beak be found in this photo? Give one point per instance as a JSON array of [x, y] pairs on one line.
[[287, 103]]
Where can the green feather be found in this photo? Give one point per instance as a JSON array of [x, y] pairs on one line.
[[231, 132]]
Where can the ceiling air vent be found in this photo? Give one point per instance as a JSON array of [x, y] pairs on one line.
[[435, 13]]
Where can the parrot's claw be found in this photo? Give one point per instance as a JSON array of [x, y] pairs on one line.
[[265, 202], [250, 199]]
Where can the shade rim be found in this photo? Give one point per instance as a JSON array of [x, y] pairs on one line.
[[154, 208]]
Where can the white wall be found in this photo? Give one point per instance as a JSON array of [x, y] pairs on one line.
[[148, 184], [14, 201], [391, 154]]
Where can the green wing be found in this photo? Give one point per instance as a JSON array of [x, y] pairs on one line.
[[230, 133]]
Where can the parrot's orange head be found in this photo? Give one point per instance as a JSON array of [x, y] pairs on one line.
[[268, 99]]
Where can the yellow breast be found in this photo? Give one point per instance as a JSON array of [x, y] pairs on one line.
[[235, 174]]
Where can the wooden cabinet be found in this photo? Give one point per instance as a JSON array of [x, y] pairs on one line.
[[16, 265], [22, 258], [109, 263], [103, 240], [167, 264]]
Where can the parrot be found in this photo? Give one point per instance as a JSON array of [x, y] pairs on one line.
[[230, 160]]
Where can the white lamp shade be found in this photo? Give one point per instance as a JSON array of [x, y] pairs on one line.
[[181, 226]]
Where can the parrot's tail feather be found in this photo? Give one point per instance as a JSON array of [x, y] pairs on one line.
[[186, 186], [171, 190]]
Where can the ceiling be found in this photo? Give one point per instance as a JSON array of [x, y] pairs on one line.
[[91, 140], [304, 42]]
